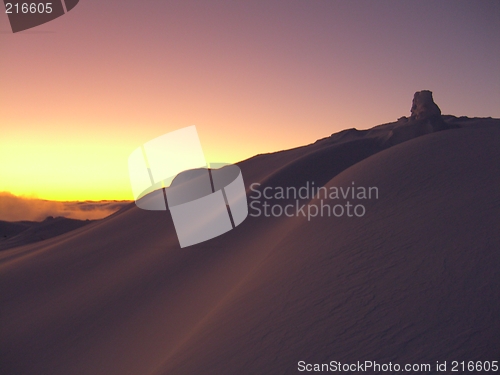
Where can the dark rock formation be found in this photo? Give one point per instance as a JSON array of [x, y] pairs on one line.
[[425, 119], [423, 106]]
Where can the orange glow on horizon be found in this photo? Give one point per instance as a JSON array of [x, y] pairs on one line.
[[80, 93]]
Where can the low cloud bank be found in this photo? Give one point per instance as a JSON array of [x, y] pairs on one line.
[[15, 208]]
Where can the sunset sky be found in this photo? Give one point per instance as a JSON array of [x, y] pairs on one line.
[[80, 93]]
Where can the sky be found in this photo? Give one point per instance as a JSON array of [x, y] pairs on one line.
[[80, 93]]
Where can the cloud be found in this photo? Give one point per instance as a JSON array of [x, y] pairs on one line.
[[15, 208]]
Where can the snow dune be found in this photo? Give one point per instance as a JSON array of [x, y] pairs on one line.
[[415, 280]]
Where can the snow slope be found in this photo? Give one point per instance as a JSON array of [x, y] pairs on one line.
[[413, 281]]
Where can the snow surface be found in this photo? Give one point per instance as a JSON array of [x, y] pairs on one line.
[[416, 280]]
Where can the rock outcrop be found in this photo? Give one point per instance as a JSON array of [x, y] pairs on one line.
[[425, 119], [423, 106]]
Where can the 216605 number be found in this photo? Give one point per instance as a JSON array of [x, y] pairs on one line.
[[28, 8], [474, 366]]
